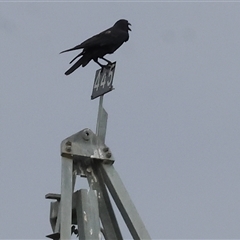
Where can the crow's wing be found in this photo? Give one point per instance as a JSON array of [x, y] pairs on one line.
[[110, 36]]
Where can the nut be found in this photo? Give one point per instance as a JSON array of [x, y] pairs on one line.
[[68, 143], [68, 148], [105, 149]]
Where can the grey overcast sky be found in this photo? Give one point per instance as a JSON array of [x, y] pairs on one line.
[[174, 115]]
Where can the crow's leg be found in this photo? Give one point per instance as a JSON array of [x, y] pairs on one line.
[[109, 62], [96, 61], [101, 65]]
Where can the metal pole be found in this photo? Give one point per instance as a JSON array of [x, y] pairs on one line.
[[100, 109], [66, 199], [101, 120]]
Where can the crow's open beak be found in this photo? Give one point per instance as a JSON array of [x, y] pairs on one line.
[[129, 24]]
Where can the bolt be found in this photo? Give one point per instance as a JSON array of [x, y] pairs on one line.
[[86, 134], [68, 143], [108, 154], [105, 149], [68, 148], [89, 169]]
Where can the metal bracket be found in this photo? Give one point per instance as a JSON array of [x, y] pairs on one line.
[[85, 145]]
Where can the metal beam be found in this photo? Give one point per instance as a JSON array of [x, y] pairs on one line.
[[109, 222], [66, 198], [124, 203], [88, 215]]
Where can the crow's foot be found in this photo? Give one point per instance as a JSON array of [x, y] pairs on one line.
[[107, 66]]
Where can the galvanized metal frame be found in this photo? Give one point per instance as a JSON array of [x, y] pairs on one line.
[[86, 154]]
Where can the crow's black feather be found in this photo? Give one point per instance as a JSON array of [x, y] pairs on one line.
[[101, 44]]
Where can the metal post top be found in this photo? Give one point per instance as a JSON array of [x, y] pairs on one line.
[[86, 144]]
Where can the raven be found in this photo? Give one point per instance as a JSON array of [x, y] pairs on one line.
[[101, 44]]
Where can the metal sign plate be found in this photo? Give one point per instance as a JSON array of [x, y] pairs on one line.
[[103, 81]]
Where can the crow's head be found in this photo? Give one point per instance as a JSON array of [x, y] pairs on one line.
[[123, 24]]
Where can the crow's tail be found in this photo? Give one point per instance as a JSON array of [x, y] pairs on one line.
[[72, 49], [80, 54], [74, 67], [83, 61]]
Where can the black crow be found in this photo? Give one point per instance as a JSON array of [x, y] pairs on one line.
[[101, 44]]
